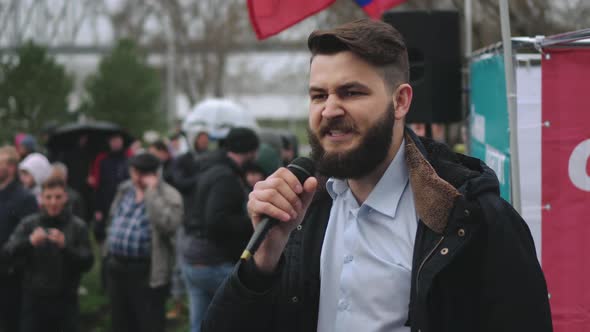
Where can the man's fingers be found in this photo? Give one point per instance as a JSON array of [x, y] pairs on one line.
[[309, 188], [260, 208], [286, 201]]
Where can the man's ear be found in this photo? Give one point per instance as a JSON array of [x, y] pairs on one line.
[[402, 99]]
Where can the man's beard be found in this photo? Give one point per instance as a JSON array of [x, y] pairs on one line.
[[361, 160]]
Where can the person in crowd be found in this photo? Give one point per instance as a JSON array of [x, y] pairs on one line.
[[33, 171], [178, 291], [54, 248], [136, 147], [253, 173], [25, 144], [15, 203], [143, 220], [177, 145], [186, 166], [404, 235], [201, 142], [288, 152], [75, 201], [160, 149], [269, 158], [112, 171], [185, 172], [78, 161], [218, 227]]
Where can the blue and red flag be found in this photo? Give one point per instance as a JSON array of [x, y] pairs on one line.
[[269, 17], [376, 8]]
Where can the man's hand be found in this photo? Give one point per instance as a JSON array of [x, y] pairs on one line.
[[282, 197], [150, 181], [38, 237], [57, 237], [139, 193]]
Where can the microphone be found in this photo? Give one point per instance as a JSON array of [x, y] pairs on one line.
[[302, 168]]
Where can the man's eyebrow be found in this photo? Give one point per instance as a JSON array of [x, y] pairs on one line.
[[316, 89], [345, 86], [353, 85]]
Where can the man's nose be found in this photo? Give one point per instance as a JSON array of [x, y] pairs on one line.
[[333, 107]]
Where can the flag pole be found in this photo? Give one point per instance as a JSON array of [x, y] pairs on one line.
[[512, 106], [468, 32]]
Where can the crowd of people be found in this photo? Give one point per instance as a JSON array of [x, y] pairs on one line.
[[168, 223], [394, 232]]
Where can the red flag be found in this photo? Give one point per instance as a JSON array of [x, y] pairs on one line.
[[566, 185], [376, 8], [269, 17]]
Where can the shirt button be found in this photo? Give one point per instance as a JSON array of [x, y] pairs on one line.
[[461, 232], [467, 213], [348, 258], [299, 227], [294, 299], [444, 251]]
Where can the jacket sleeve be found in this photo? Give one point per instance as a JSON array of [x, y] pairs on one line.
[[28, 207], [18, 245], [78, 250], [184, 174], [225, 208], [249, 309], [109, 218], [164, 208], [515, 296]]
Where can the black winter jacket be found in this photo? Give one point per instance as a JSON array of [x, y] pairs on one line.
[[15, 204], [49, 270], [114, 170], [474, 266], [218, 209]]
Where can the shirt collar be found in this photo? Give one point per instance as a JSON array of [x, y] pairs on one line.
[[387, 194]]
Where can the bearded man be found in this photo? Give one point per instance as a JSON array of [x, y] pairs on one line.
[[405, 235]]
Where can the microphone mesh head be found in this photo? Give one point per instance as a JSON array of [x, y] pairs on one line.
[[303, 168]]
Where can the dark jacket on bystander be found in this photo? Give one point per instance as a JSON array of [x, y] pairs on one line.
[[49, 270]]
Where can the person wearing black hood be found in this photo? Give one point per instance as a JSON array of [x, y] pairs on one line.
[[54, 249], [15, 203], [404, 235], [217, 227]]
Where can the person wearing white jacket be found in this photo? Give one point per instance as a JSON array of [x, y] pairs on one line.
[[33, 171]]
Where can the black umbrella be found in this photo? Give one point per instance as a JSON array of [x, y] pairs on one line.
[[97, 133]]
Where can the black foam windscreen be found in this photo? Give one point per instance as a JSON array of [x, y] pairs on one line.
[[432, 39]]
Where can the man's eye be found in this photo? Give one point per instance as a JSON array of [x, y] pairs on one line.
[[318, 97], [352, 93]]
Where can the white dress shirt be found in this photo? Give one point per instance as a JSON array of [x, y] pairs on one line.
[[366, 259]]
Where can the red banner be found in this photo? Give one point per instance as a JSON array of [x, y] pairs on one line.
[[566, 185], [269, 17], [376, 8]]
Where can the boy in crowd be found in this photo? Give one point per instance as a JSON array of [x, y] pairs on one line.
[[54, 249]]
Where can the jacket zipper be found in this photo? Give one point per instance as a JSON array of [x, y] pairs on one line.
[[424, 261]]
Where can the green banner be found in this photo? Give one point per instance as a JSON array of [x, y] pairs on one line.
[[489, 123]]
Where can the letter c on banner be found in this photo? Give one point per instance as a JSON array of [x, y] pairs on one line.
[[577, 166]]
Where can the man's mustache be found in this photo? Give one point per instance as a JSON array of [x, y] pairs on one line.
[[340, 124]]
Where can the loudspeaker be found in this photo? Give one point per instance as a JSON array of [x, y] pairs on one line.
[[432, 39]]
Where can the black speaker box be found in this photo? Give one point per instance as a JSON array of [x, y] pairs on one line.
[[432, 39]]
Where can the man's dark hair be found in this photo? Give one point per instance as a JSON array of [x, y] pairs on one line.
[[53, 182], [376, 42], [160, 146]]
